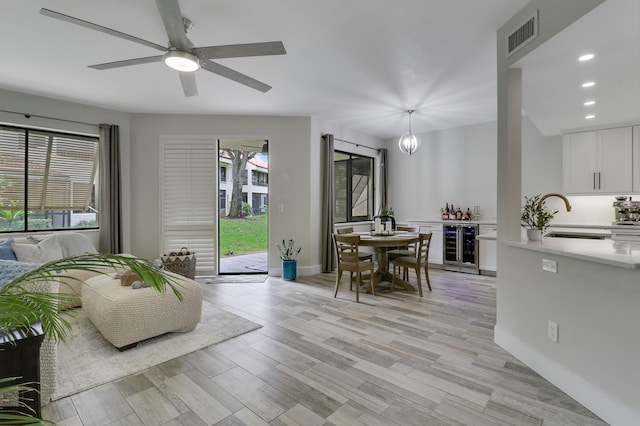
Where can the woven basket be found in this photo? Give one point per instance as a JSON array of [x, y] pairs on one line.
[[182, 262]]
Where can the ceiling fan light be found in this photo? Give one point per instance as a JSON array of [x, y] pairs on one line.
[[181, 61]]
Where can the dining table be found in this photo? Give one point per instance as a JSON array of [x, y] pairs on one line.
[[381, 244]]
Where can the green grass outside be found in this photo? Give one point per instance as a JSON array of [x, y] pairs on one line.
[[242, 236]]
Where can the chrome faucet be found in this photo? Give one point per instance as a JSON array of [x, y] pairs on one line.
[[553, 194]]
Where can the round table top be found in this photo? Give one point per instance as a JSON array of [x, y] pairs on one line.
[[400, 238]]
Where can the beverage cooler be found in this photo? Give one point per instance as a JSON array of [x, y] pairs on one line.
[[461, 248]]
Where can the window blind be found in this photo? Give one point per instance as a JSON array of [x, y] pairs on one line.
[[60, 170], [188, 199]]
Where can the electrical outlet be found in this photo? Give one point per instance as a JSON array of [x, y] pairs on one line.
[[552, 331], [550, 265]]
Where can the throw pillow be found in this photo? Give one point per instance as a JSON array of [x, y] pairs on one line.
[[45, 251], [6, 252], [9, 269], [71, 243]]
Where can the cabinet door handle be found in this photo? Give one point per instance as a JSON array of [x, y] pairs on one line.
[[599, 185], [594, 180]]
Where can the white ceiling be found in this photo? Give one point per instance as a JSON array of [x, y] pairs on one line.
[[357, 63], [552, 76]]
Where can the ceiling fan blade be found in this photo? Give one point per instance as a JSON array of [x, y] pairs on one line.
[[100, 28], [188, 80], [234, 75], [174, 24], [241, 50], [126, 63]]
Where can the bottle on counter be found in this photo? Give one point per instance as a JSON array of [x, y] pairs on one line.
[[459, 214], [452, 213], [445, 215], [469, 214]]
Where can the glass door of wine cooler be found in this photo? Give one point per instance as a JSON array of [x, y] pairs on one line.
[[460, 248]]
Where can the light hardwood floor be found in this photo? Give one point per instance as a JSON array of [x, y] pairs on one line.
[[393, 359]]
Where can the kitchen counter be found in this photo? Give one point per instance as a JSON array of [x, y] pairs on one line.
[[490, 236], [622, 254], [453, 222]]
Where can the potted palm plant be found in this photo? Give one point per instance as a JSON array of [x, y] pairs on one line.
[[536, 216], [289, 256], [23, 303]]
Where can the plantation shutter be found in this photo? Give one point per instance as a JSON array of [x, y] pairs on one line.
[[189, 198], [61, 170]]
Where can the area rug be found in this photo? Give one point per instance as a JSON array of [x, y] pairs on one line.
[[86, 359]]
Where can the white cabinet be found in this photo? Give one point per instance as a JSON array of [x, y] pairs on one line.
[[488, 250], [435, 250], [636, 159], [598, 161]]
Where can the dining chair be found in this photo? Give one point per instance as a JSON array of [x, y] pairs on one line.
[[408, 250], [349, 230], [348, 260], [417, 262], [362, 255]]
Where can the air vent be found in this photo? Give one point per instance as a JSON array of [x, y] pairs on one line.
[[523, 35]]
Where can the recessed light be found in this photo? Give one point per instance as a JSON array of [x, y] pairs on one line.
[[589, 103], [587, 57], [590, 116], [589, 84]]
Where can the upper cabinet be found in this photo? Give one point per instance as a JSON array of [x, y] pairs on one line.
[[598, 161]]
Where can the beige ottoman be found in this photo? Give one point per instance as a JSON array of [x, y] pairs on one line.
[[125, 316]]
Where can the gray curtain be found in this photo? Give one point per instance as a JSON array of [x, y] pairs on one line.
[[384, 179], [110, 203], [328, 257]]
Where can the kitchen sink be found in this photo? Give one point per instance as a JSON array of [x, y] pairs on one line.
[[582, 235]]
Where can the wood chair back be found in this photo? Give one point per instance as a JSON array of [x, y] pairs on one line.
[[416, 262], [349, 259], [342, 231]]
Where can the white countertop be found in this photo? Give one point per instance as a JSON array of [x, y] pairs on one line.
[[623, 254], [491, 236], [462, 222]]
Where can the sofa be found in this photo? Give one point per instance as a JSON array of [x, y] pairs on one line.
[[37, 249]]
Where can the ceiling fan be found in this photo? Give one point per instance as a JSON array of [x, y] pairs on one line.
[[181, 54]]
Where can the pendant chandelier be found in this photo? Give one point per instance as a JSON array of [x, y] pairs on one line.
[[409, 142]]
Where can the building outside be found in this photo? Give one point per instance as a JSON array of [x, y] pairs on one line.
[[255, 184]]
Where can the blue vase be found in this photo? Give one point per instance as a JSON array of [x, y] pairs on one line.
[[289, 268]]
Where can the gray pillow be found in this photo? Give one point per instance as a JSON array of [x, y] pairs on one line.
[[71, 243], [45, 251], [6, 252]]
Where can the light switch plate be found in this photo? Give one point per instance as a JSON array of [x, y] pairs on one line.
[[550, 265], [552, 331]]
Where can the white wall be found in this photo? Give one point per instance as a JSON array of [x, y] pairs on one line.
[[595, 360], [77, 114], [290, 176], [452, 166]]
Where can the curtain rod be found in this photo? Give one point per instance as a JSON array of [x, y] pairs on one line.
[[357, 144], [27, 115]]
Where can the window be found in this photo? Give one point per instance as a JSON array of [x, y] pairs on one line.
[[222, 203], [259, 178], [223, 174], [47, 180], [353, 187]]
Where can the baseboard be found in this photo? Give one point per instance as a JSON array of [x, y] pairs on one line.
[[302, 270], [610, 410], [488, 272]]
